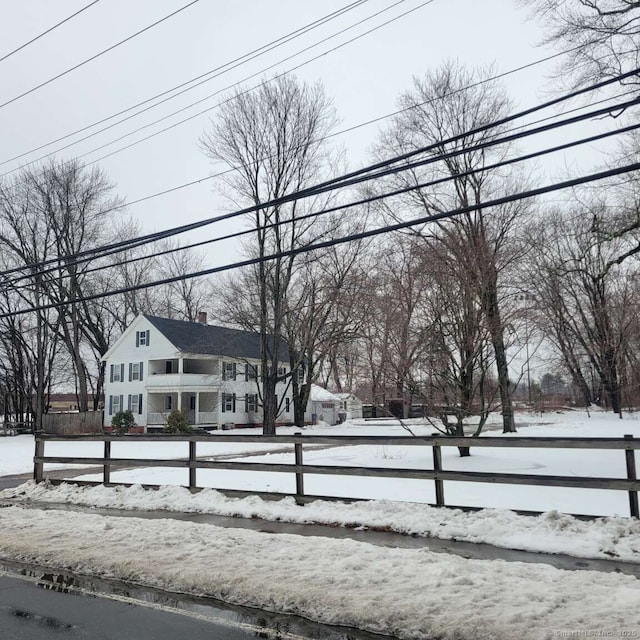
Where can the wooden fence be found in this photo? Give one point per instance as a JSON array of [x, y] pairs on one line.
[[627, 445], [67, 424]]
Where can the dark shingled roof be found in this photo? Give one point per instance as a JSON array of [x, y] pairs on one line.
[[194, 337]]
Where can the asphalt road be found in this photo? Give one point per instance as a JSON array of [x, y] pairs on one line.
[[36, 604], [6, 482], [31, 612]]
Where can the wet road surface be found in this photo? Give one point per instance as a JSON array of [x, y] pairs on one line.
[[36, 604]]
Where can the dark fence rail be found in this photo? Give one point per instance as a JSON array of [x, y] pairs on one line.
[[628, 444]]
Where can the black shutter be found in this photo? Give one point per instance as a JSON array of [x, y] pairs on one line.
[[121, 403], [139, 403], [141, 372], [224, 371], [234, 372], [147, 337], [246, 402], [129, 402], [130, 370], [110, 376], [246, 372], [122, 372], [111, 404], [234, 402], [137, 338], [224, 397]]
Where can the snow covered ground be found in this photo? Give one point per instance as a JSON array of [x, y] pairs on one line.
[[403, 592]]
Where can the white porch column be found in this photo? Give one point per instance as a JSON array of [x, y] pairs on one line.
[[179, 400], [197, 420], [180, 365]]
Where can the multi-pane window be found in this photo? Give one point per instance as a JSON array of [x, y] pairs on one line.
[[116, 407], [134, 403], [251, 400], [282, 371], [142, 338], [228, 402], [135, 371], [228, 370], [116, 373]]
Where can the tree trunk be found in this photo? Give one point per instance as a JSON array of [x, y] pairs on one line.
[[497, 339]]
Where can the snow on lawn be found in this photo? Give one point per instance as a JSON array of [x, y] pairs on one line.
[[408, 593], [571, 462], [16, 453], [394, 505], [411, 594]]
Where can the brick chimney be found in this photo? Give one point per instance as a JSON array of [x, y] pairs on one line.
[[202, 317]]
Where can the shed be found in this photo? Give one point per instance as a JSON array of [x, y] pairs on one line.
[[351, 405], [323, 406]]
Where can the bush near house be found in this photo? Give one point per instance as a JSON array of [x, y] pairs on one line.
[[177, 422], [123, 421]]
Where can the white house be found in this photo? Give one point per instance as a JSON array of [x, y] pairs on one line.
[[159, 364], [323, 406], [351, 405]]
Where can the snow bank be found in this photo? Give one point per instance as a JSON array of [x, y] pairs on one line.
[[550, 532], [411, 594]]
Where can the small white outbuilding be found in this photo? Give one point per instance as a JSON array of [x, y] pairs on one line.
[[351, 405], [323, 406]]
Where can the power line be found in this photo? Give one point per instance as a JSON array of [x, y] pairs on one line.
[[49, 30], [476, 130], [363, 201], [97, 55], [327, 185], [523, 195], [192, 104], [227, 66], [191, 183], [104, 251]]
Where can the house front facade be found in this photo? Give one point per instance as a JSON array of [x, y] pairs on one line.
[[210, 372]]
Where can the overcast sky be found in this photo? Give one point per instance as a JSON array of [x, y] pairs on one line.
[[364, 78]]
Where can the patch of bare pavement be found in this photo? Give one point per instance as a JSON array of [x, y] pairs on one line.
[[38, 603]]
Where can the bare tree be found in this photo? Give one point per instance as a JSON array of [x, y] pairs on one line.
[[182, 299], [322, 310], [586, 294], [449, 103], [273, 139], [51, 213], [602, 37]]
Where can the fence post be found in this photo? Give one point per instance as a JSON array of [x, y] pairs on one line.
[[631, 475], [437, 466], [299, 474], [38, 466], [192, 462], [106, 469]]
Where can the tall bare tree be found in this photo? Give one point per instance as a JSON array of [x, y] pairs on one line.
[[273, 138], [53, 212], [583, 278], [449, 103]]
